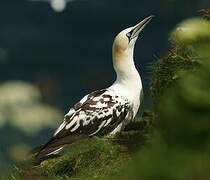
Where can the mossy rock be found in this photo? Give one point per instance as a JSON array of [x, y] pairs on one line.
[[87, 159], [94, 158]]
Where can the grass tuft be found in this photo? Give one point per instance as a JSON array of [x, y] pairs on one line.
[[96, 158]]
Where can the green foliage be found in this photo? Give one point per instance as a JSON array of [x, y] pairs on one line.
[[94, 158], [185, 109], [191, 30], [87, 159], [190, 49], [170, 68], [159, 161]]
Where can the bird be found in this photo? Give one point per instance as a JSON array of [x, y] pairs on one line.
[[107, 111], [56, 5]]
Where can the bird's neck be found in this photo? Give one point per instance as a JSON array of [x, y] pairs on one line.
[[125, 69], [128, 83]]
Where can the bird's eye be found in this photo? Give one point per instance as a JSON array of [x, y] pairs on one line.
[[128, 35]]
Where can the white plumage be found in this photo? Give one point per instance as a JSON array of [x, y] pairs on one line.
[[106, 111]]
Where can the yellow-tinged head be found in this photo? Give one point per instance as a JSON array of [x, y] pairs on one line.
[[128, 81], [124, 42]]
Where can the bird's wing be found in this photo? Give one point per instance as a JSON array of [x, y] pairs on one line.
[[98, 113]]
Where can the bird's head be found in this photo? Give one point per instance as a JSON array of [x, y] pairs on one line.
[[125, 40]]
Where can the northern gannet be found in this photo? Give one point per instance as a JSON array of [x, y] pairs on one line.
[[106, 111]]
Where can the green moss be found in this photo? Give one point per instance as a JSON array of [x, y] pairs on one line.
[[89, 158], [95, 158]]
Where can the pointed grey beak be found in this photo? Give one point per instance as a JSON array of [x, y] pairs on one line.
[[140, 26]]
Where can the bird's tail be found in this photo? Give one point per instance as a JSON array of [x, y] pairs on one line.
[[54, 147], [35, 151], [43, 152], [48, 150]]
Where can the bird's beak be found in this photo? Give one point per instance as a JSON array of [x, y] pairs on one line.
[[140, 26]]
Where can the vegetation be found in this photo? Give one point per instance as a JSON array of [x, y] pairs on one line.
[[98, 158]]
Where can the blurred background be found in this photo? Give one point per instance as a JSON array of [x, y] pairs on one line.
[[54, 52]]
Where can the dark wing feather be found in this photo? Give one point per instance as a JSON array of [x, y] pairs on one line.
[[98, 113], [57, 143]]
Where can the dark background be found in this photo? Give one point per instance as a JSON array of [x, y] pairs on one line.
[[68, 54]]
